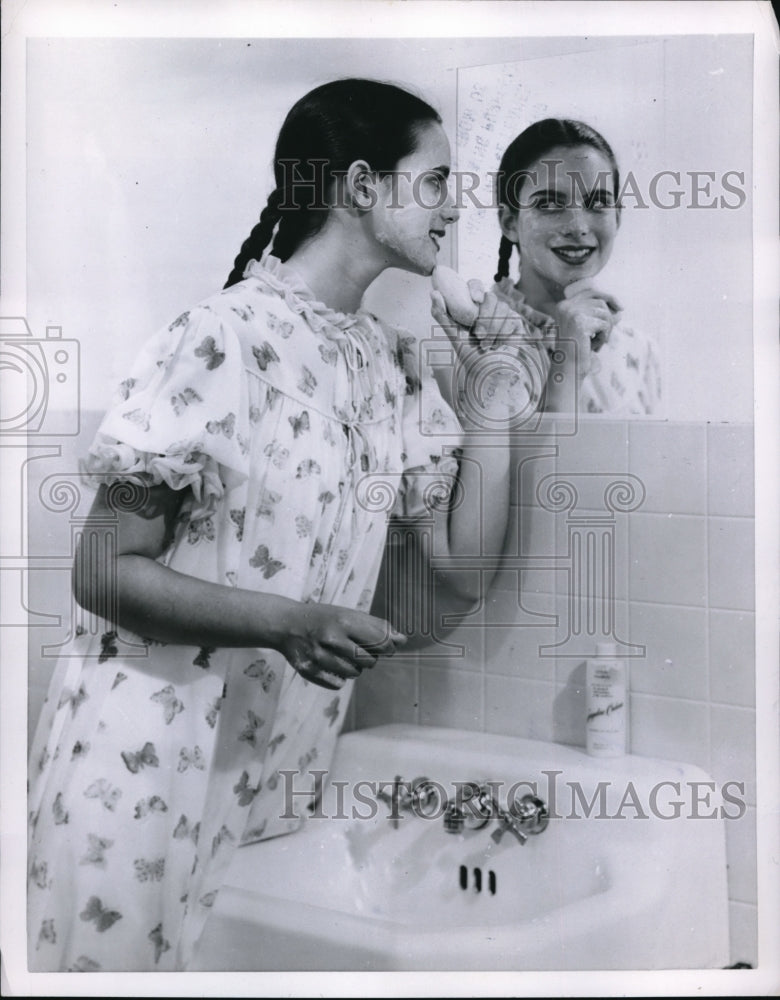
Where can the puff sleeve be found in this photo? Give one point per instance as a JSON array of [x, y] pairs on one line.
[[181, 418]]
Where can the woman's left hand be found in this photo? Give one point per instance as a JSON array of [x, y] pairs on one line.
[[496, 325], [513, 383]]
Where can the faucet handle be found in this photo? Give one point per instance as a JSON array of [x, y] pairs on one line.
[[454, 818], [532, 814], [478, 804], [391, 797], [508, 824], [528, 816], [472, 808], [398, 798], [426, 797]]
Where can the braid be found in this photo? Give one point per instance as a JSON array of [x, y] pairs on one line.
[[529, 148], [259, 238], [323, 133], [504, 253]]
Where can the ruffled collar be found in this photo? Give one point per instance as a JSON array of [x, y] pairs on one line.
[[506, 289], [287, 282]]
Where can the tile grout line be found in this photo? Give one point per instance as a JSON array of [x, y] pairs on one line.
[[707, 645]]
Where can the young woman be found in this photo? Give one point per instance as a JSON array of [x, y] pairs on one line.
[[558, 186], [239, 544]]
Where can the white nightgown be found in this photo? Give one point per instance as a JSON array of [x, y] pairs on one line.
[[152, 762], [625, 375]]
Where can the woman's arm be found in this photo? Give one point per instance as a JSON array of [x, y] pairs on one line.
[[493, 394], [584, 318], [441, 566], [458, 546], [324, 643]]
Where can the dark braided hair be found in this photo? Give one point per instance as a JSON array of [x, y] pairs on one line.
[[253, 246], [323, 134], [504, 253], [531, 145]]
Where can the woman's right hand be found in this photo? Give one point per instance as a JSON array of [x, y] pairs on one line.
[[586, 315], [328, 645]]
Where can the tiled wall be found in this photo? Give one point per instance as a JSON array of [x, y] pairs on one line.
[[684, 589]]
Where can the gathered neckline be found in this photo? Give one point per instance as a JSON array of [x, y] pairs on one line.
[[510, 293], [287, 282]]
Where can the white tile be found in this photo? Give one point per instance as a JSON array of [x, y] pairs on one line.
[[462, 646], [594, 553], [730, 469], [450, 697], [583, 624], [670, 461], [675, 641], [741, 857], [515, 631], [733, 658], [386, 693], [734, 746], [598, 446], [588, 466], [519, 707], [669, 728], [731, 545], [743, 933], [667, 559]]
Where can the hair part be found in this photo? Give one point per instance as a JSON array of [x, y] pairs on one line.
[[527, 148], [323, 134]]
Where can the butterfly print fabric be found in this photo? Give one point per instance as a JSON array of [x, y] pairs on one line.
[[625, 375], [153, 762]]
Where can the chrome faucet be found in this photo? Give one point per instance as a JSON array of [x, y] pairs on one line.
[[471, 809], [399, 797], [420, 796], [477, 805], [527, 817]]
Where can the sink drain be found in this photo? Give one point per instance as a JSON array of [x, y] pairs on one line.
[[476, 881]]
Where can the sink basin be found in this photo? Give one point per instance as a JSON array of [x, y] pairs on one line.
[[621, 878]]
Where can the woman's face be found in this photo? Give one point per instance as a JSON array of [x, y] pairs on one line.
[[567, 220], [414, 206]]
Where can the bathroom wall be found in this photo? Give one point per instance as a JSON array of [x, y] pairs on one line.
[[134, 215], [684, 590]]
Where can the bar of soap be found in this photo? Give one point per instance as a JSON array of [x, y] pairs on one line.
[[455, 292]]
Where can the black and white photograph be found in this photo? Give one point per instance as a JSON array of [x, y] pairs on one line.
[[389, 514]]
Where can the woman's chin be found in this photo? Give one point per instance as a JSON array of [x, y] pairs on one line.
[[574, 273]]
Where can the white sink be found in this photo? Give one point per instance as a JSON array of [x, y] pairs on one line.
[[352, 891]]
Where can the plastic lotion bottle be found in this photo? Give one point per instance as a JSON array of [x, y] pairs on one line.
[[606, 701]]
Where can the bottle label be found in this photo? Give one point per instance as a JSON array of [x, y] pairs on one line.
[[607, 710], [605, 725]]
